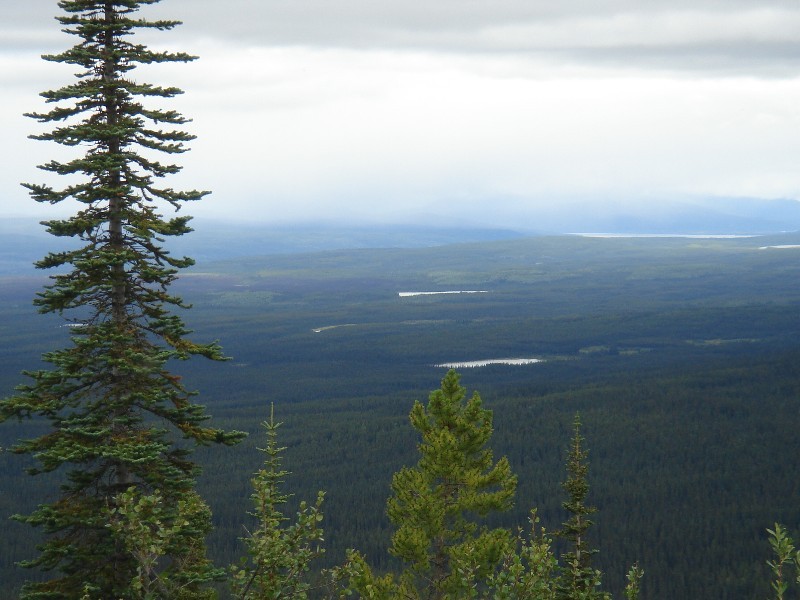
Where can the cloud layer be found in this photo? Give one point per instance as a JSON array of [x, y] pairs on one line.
[[388, 110]]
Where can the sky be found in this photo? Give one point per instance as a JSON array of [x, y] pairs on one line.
[[449, 112]]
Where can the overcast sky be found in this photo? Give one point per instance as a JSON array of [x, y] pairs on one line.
[[479, 111]]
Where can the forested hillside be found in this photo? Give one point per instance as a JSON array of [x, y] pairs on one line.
[[680, 355]]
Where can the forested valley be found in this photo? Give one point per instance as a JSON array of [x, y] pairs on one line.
[[680, 355], [493, 415]]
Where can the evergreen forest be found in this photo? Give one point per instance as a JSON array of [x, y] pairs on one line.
[[539, 417], [680, 355]]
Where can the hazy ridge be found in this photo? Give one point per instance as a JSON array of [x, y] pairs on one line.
[[24, 240]]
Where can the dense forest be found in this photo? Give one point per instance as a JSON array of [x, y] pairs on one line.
[[679, 354], [634, 434]]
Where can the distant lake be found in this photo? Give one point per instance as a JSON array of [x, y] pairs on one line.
[[408, 294], [492, 361], [692, 236]]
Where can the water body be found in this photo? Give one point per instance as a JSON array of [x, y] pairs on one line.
[[691, 236], [329, 327], [409, 294], [492, 361]]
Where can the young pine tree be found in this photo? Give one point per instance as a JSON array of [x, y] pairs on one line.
[[112, 405], [279, 553], [435, 503]]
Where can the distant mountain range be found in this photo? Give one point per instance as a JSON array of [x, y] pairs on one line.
[[697, 216], [22, 241]]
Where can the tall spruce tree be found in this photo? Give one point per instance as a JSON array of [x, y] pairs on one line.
[[113, 405]]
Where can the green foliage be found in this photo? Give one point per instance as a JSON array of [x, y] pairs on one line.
[[634, 579], [279, 555], [106, 392], [434, 504], [150, 533], [784, 555], [528, 570]]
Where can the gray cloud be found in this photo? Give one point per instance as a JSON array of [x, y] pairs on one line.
[[730, 36], [750, 37], [403, 107]]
